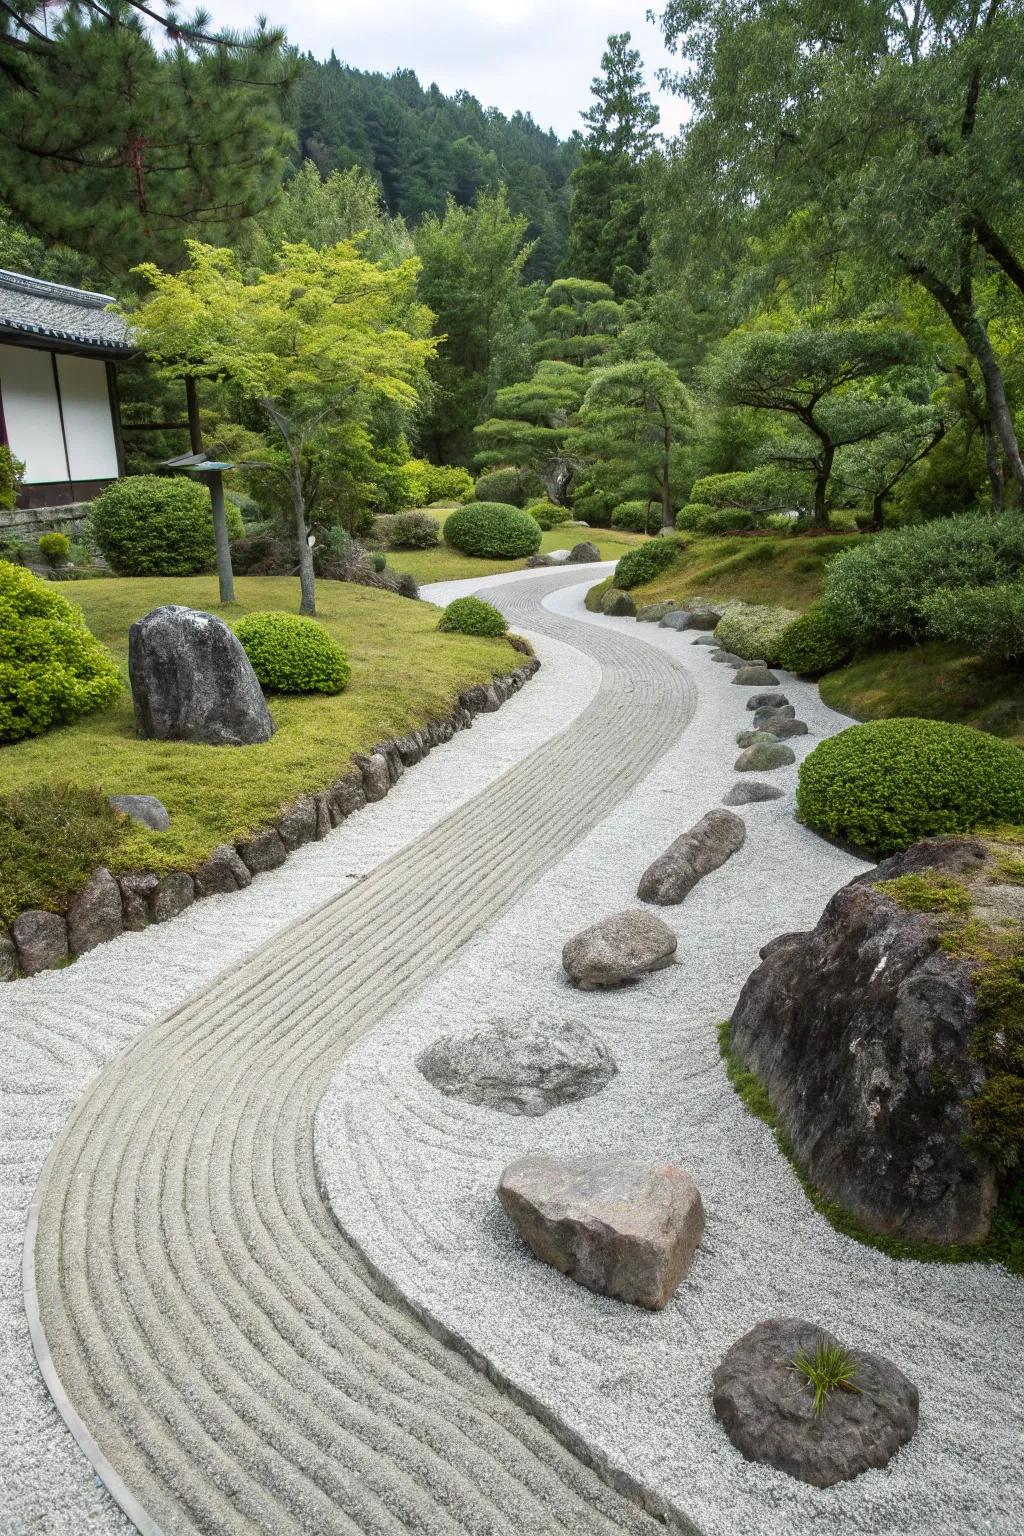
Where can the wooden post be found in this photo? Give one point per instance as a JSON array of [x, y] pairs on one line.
[[192, 401], [225, 575]]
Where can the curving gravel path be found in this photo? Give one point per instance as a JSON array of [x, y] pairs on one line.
[[410, 1175], [228, 1361]]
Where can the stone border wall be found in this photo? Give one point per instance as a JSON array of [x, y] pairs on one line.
[[110, 905]]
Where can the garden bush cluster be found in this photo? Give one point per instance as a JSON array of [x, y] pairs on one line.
[[51, 668], [494, 530], [644, 563], [512, 487], [811, 645], [750, 629], [290, 654], [985, 621], [155, 525], [886, 784], [637, 516], [547, 514], [472, 616]]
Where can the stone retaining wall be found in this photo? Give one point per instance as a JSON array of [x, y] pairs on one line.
[[30, 522], [110, 905]]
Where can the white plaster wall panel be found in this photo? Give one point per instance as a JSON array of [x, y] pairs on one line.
[[31, 415], [88, 428]]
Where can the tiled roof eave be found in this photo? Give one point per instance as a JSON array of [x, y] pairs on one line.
[[67, 338]]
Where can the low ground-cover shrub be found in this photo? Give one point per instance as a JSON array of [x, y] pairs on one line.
[[262, 554], [644, 563], [754, 630], [293, 655], [512, 487], [472, 616], [155, 525], [878, 589], [883, 785], [637, 516], [52, 838], [494, 530], [986, 621], [810, 646], [547, 514], [51, 668], [413, 530]]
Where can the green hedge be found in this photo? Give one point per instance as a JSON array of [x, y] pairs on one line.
[[293, 655], [471, 616], [448, 482], [697, 517], [811, 646], [155, 525], [644, 563], [886, 784], [986, 621], [492, 530], [751, 629], [637, 516], [51, 668]]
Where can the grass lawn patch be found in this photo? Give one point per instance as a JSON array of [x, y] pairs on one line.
[[786, 570], [931, 681], [404, 671], [444, 564]]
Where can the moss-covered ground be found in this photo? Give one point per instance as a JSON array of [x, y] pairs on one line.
[[932, 681]]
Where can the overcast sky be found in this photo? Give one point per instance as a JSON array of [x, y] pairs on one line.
[[535, 55]]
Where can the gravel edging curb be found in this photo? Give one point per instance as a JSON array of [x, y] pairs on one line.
[[108, 905]]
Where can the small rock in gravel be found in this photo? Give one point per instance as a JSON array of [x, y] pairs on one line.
[[707, 845], [136, 889], [94, 913], [297, 825], [618, 948], [751, 738], [521, 1067], [750, 792], [767, 701], [263, 851], [754, 677], [559, 557], [763, 757], [705, 618], [767, 1408], [618, 605], [704, 640], [653, 613], [677, 618], [173, 894], [147, 810], [8, 956], [774, 712], [223, 871], [620, 1228], [782, 730], [727, 658], [584, 553], [41, 939]]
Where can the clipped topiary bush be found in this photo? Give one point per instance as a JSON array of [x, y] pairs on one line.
[[644, 563], [492, 530], [697, 517], [413, 530], [637, 516], [472, 616], [290, 654], [886, 784], [154, 525], [811, 646], [986, 621], [51, 668], [54, 547], [511, 487], [547, 514], [750, 629]]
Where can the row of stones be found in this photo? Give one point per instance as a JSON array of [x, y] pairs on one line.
[[109, 905]]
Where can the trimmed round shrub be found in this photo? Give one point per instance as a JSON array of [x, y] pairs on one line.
[[752, 629], [290, 654], [644, 563], [547, 514], [886, 784], [696, 517], [54, 547], [154, 525], [471, 616], [636, 516], [412, 530], [810, 646], [51, 668], [493, 530], [512, 487]]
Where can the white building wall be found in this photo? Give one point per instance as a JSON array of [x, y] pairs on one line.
[[88, 427], [28, 395]]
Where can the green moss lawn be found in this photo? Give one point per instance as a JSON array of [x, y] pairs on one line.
[[403, 672], [933, 681]]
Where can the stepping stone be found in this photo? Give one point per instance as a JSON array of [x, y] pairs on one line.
[[147, 810], [751, 791], [767, 1406], [762, 757], [728, 659], [521, 1067], [715, 838], [704, 640], [754, 676], [774, 712], [619, 948], [620, 1228], [782, 730], [767, 701], [751, 738]]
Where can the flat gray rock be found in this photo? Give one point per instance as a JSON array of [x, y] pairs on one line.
[[763, 757], [192, 681], [767, 1407], [783, 730], [147, 810], [624, 1229], [728, 658], [754, 676], [521, 1067], [774, 712], [678, 619], [618, 948], [750, 792], [704, 640], [707, 845], [94, 913], [767, 701], [751, 738], [653, 613]]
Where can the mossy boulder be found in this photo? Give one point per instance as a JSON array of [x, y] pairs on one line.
[[619, 605]]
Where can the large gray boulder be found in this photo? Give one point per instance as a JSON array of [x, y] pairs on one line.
[[584, 553], [707, 845], [521, 1067], [767, 1406], [192, 681], [861, 1032], [624, 1229], [618, 948]]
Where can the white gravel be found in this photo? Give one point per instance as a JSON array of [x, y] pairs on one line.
[[60, 1029], [411, 1177]]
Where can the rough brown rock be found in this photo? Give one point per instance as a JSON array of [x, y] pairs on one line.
[[41, 939], [346, 796], [618, 948], [263, 851], [376, 776], [297, 824], [136, 889], [223, 871], [94, 913], [173, 894], [707, 845], [8, 956]]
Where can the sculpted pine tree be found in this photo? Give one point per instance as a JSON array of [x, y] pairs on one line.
[[636, 418]]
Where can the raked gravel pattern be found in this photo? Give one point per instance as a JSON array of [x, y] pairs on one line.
[[411, 1174], [224, 1345]]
